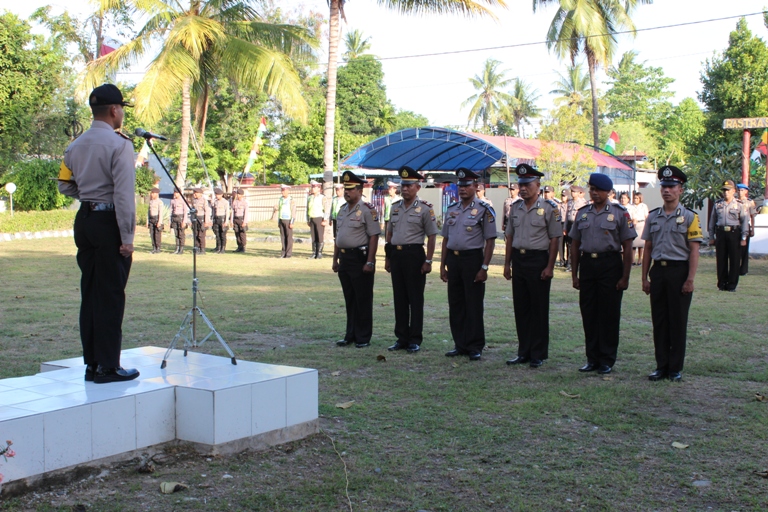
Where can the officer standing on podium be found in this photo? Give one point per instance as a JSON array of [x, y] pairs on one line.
[[354, 259], [411, 219], [469, 236]]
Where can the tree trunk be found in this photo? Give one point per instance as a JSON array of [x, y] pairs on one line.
[[330, 96], [186, 125], [201, 113], [592, 64]]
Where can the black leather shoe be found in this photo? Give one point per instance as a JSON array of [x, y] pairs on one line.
[[397, 346], [474, 356], [106, 375], [657, 375], [589, 367], [90, 371], [343, 343], [362, 345], [518, 360], [604, 369], [676, 377], [453, 353], [413, 348], [535, 363]]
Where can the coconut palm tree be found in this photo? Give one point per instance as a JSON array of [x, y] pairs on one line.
[[356, 44], [573, 87], [589, 27], [490, 103], [202, 40], [466, 7], [522, 105]]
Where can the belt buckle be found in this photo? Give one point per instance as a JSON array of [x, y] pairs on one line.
[[455, 253], [727, 228], [663, 263], [344, 251], [593, 255], [399, 247], [522, 251]]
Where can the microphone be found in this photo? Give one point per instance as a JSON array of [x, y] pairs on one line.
[[141, 132]]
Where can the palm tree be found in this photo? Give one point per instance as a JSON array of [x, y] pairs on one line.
[[573, 87], [490, 104], [202, 41], [589, 27], [465, 7], [356, 45], [522, 105]]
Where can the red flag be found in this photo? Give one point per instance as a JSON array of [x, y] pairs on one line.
[[109, 45], [763, 146]]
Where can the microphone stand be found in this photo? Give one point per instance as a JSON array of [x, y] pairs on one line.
[[188, 329]]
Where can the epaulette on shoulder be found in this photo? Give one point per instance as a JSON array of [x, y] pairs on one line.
[[485, 204], [621, 206], [370, 206], [427, 204], [585, 206], [552, 203], [692, 211], [453, 204], [721, 200], [654, 210], [126, 137]]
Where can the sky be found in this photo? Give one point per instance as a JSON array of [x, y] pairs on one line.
[[436, 85]]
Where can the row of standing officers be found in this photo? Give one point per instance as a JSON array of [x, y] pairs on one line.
[[602, 233]]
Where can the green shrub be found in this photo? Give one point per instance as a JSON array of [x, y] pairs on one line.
[[53, 220], [36, 186]]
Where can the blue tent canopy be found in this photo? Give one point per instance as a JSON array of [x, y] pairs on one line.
[[425, 149]]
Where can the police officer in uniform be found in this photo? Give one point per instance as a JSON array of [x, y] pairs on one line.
[[179, 221], [576, 202], [240, 219], [600, 271], [354, 259], [672, 237], [533, 234], [155, 219], [410, 221], [202, 221], [751, 208], [469, 234], [514, 196], [98, 169], [220, 220], [391, 198], [285, 209], [564, 249], [336, 203], [317, 218], [728, 232]]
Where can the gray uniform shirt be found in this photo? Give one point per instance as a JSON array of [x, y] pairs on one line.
[[179, 207], [733, 214], [671, 233], [602, 230], [239, 209], [573, 206], [532, 229], [156, 209], [356, 225], [203, 208], [410, 225], [469, 228], [103, 171], [221, 208]]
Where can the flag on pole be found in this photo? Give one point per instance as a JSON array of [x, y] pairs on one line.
[[108, 45], [256, 145], [610, 146], [143, 155], [763, 146]]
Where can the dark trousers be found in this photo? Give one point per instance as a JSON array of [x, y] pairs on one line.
[[744, 266], [669, 313], [564, 249], [198, 229], [567, 242], [286, 237], [408, 290], [177, 225], [316, 230], [220, 232], [102, 286], [530, 297], [728, 253], [600, 304], [240, 237], [358, 296], [333, 223], [465, 300], [155, 233]]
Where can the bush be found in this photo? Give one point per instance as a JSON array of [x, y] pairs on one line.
[[54, 220], [36, 186]]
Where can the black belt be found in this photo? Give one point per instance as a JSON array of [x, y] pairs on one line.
[[531, 252], [405, 247], [98, 207], [598, 255], [353, 250], [729, 228], [220, 218], [670, 263], [238, 218], [153, 219], [467, 252], [177, 215]]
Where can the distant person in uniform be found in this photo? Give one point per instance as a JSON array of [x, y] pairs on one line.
[[412, 219], [469, 237], [672, 239], [179, 221], [751, 208], [533, 234], [392, 197], [221, 216], [576, 202], [641, 213], [336, 203], [285, 210], [98, 169], [564, 255], [202, 220], [155, 220], [317, 218], [481, 193], [728, 232], [601, 237], [240, 219], [354, 259], [514, 196]]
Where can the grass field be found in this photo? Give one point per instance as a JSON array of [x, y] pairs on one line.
[[425, 432]]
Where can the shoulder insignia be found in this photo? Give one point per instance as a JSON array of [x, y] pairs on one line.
[[621, 206], [655, 210], [552, 203], [453, 204], [126, 137], [426, 203], [585, 206], [489, 208], [374, 213]]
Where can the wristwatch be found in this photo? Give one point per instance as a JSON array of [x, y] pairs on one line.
[[370, 263], [484, 267], [428, 261]]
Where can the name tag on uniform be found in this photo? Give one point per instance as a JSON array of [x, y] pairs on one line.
[[540, 211]]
